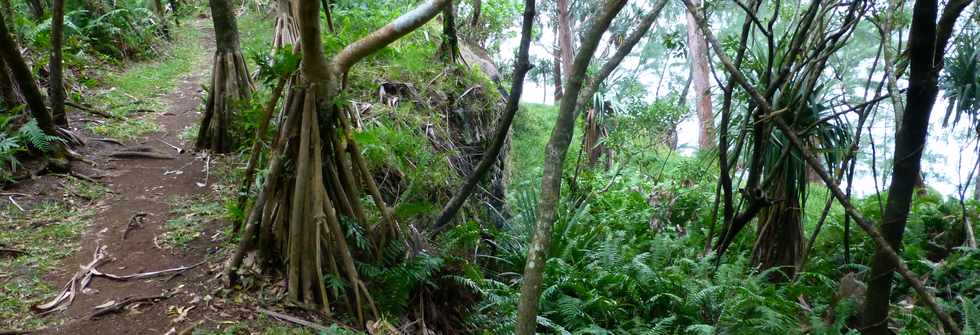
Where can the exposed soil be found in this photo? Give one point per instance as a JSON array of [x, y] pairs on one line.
[[144, 186]]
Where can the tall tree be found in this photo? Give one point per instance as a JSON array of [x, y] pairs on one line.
[[557, 148], [230, 82], [927, 47], [566, 46], [697, 55], [296, 216], [56, 82]]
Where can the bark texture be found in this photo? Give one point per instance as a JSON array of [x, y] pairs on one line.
[[698, 58], [286, 33], [565, 43], [230, 82], [56, 83], [555, 152]]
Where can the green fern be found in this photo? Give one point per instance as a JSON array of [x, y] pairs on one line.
[[30, 133], [971, 317]]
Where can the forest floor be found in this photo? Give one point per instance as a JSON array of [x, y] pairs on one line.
[[146, 214]]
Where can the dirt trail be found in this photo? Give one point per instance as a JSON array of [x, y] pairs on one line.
[[142, 186]]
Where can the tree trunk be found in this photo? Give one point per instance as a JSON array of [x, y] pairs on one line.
[[230, 83], [285, 33], [21, 74], [8, 89], [297, 213], [490, 156], [698, 58], [477, 9], [779, 242], [56, 82], [449, 49], [556, 73], [556, 151], [927, 43], [565, 43], [976, 187]]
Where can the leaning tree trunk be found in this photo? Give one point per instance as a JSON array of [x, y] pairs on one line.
[[230, 82], [21, 74], [296, 218], [927, 45], [56, 84], [556, 151]]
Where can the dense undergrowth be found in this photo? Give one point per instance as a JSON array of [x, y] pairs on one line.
[[629, 254]]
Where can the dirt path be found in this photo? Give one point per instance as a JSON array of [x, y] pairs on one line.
[[148, 188]]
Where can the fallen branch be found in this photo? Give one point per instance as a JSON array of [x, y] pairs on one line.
[[78, 282], [139, 154], [12, 252], [16, 332], [107, 140], [293, 319], [119, 306], [91, 110], [144, 275], [179, 150], [11, 198]]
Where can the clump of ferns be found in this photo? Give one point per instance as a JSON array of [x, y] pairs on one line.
[[14, 143]]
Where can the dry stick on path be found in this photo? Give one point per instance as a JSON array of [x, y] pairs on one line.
[[521, 67], [556, 150], [814, 163], [119, 306]]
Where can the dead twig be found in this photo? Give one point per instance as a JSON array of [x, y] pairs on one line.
[[91, 110], [119, 306], [179, 150], [139, 154], [107, 140], [11, 198], [78, 282], [292, 319], [144, 275]]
